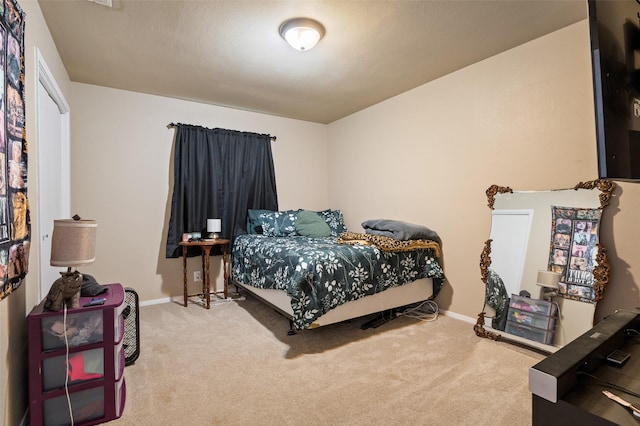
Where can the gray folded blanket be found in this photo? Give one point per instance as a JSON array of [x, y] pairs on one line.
[[400, 230]]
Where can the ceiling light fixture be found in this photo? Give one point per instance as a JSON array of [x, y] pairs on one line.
[[302, 33]]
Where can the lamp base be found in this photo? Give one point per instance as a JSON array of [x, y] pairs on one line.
[[64, 291], [548, 294], [214, 236]]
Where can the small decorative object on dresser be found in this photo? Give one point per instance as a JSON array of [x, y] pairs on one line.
[[64, 291]]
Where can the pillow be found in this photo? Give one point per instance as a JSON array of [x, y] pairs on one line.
[[334, 219], [279, 224], [254, 226], [310, 224], [399, 230]]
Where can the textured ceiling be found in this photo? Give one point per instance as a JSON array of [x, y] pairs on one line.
[[230, 53]]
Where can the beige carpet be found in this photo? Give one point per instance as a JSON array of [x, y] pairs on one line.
[[236, 365]]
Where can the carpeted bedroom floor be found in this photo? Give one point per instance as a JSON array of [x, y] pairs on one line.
[[236, 365]]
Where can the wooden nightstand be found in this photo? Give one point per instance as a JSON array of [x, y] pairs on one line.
[[205, 246]]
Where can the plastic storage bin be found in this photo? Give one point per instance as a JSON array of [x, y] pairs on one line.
[[536, 306], [90, 370], [531, 333], [82, 328], [532, 319], [76, 368], [86, 405]]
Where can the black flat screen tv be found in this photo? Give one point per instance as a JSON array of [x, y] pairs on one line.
[[614, 28]]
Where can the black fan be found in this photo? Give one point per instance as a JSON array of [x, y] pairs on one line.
[[131, 338]]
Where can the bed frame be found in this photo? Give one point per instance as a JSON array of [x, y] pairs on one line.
[[394, 297]]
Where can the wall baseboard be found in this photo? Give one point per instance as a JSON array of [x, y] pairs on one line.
[[458, 316], [158, 301], [179, 298]]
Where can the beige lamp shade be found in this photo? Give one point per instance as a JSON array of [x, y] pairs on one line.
[[73, 242], [548, 279]]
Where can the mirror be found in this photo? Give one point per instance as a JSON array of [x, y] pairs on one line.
[[543, 266]]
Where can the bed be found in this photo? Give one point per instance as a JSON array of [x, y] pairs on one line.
[[317, 279]]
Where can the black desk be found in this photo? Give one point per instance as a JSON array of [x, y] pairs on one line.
[[578, 371]]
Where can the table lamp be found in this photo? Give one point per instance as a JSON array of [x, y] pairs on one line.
[[214, 226], [549, 281], [73, 244]]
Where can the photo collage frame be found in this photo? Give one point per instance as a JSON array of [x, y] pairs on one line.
[[15, 227]]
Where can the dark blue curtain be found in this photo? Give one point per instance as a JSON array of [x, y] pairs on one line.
[[218, 173]]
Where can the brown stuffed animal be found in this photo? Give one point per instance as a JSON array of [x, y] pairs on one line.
[[64, 291]]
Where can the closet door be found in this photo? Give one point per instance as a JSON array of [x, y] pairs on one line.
[[53, 168]]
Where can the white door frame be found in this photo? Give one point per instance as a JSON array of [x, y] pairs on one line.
[[46, 79]]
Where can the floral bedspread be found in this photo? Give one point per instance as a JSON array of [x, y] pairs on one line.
[[320, 274]]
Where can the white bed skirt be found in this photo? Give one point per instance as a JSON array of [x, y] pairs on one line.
[[413, 292]]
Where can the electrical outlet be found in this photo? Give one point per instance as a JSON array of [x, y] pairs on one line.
[[197, 276]]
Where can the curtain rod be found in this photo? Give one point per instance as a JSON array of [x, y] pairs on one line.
[[173, 125]]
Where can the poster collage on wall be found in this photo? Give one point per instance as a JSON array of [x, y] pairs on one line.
[[574, 239], [15, 226]]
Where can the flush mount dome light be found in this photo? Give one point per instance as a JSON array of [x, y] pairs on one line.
[[302, 33]]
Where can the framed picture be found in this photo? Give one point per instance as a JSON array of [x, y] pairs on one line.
[[15, 228], [574, 239]]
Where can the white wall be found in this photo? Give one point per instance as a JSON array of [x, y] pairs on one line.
[[122, 176], [522, 119], [13, 310]]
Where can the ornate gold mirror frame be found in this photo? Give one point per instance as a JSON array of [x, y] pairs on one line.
[[600, 271]]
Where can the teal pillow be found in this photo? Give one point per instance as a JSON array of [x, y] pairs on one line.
[[334, 219], [310, 224], [254, 225], [279, 224]]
